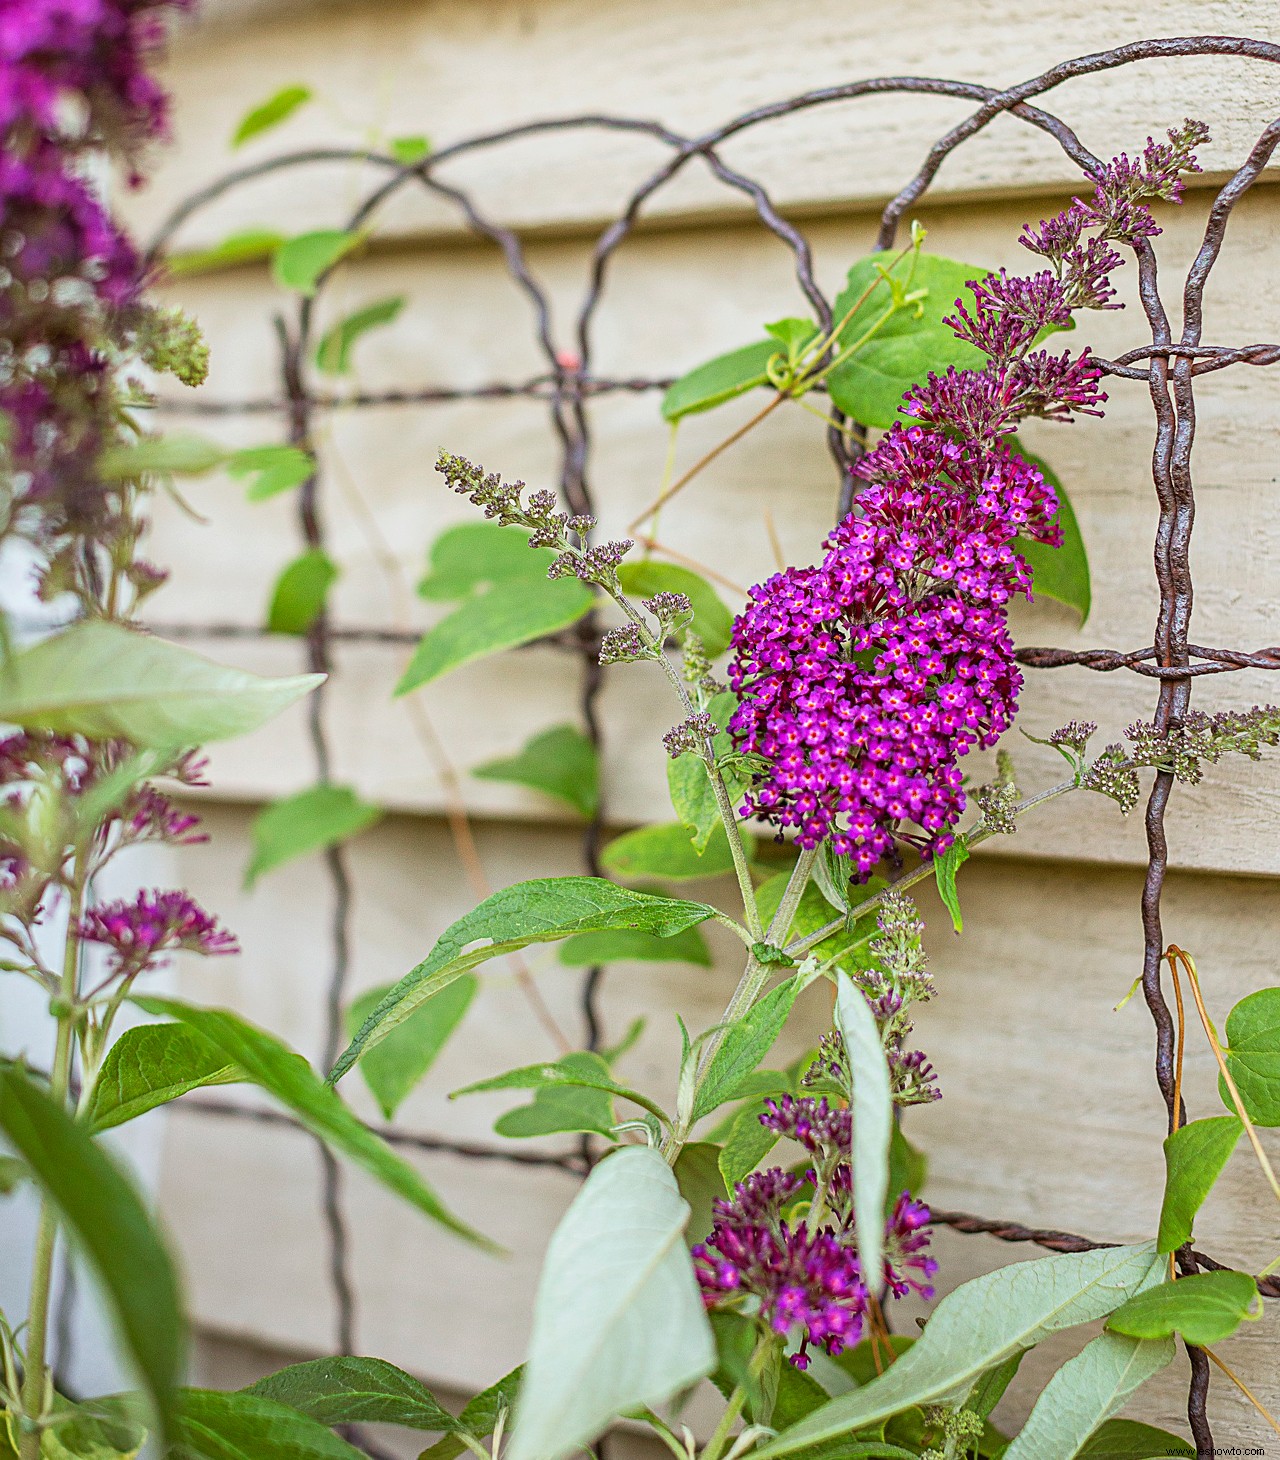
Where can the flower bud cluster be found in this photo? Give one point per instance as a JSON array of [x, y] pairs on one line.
[[1204, 737], [864, 680], [690, 736], [998, 800]]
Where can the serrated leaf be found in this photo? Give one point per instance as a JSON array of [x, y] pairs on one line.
[[541, 911], [394, 1067], [945, 866], [1253, 1055], [109, 1222], [712, 621], [409, 150], [577, 1070], [508, 615], [333, 354], [743, 1045], [1128, 1439], [979, 1325], [273, 469], [665, 851], [321, 816], [300, 262], [270, 113], [872, 1107], [1060, 573], [560, 762], [149, 1066], [586, 950], [105, 681], [351, 1390], [1194, 1156], [1203, 1308], [301, 593], [719, 380], [869, 386], [1086, 1391], [243, 1426], [246, 247], [271, 1065], [618, 1320], [180, 454]]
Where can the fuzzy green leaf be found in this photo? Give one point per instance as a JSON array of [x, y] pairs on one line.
[[618, 1322], [350, 1390], [106, 681], [585, 950], [665, 851], [744, 1044], [1204, 1308], [333, 353], [301, 592], [541, 911], [321, 816], [560, 762], [872, 1106], [151, 1065], [275, 1068], [273, 469], [1194, 1156], [270, 113], [300, 262], [1253, 1055], [394, 1067], [712, 621], [109, 1222]]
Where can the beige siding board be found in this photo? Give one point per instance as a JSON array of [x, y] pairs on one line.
[[679, 298], [1050, 1117], [453, 70]]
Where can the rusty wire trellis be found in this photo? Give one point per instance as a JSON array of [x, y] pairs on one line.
[[1168, 366]]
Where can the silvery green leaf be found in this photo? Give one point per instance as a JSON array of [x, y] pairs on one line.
[[1085, 1392], [981, 1324], [618, 1321], [872, 1101]]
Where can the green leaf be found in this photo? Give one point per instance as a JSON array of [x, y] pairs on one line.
[[979, 1325], [1128, 1439], [274, 469], [108, 1428], [270, 113], [580, 1069], [350, 1390], [404, 1057], [1085, 1392], [1194, 1156], [106, 681], [907, 1168], [692, 795], [863, 1364], [270, 1064], [744, 1044], [560, 762], [872, 1106], [748, 1144], [698, 1176], [301, 593], [665, 851], [719, 380], [558, 1110], [300, 262], [474, 556], [246, 247], [541, 911], [151, 1065], [109, 1221], [816, 912], [321, 816], [1060, 573], [246, 1426], [990, 1389], [180, 454], [409, 151], [1253, 1055], [618, 1320], [508, 615], [712, 621], [945, 868], [869, 386], [333, 354], [1204, 1308], [12, 1174], [479, 1417], [585, 950]]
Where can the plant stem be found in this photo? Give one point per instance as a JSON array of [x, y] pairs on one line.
[[715, 1445], [780, 924], [36, 1377]]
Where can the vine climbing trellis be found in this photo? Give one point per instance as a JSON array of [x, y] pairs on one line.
[[1168, 363]]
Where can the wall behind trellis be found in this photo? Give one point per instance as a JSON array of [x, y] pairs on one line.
[[1051, 1115]]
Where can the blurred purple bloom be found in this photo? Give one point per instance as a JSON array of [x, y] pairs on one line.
[[154, 923]]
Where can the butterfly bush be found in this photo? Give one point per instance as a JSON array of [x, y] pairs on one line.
[[865, 680]]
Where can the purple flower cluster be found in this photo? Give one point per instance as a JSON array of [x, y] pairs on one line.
[[865, 679], [808, 1282], [154, 923]]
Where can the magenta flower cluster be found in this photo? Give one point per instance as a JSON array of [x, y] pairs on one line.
[[138, 933], [864, 680]]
